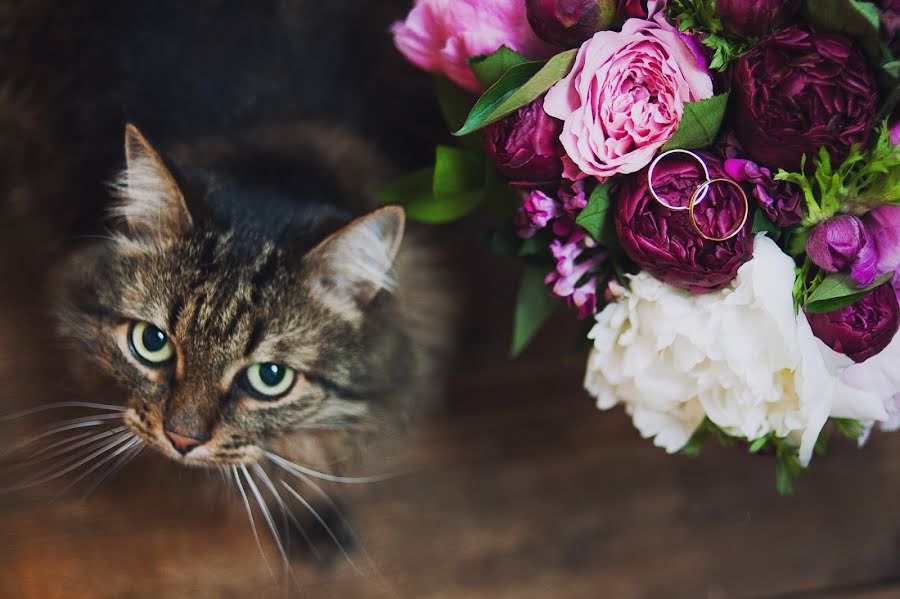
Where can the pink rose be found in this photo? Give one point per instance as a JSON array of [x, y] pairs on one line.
[[624, 97], [441, 35]]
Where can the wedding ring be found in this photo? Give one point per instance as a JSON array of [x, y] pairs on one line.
[[694, 198], [703, 188]]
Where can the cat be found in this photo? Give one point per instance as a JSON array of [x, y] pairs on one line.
[[253, 308]]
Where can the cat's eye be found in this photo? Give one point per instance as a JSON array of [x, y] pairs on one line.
[[269, 380], [150, 344]]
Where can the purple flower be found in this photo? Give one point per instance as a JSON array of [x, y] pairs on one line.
[[863, 328], [895, 134], [752, 18], [780, 200], [842, 243], [890, 24], [567, 23], [883, 225], [535, 213], [798, 91], [525, 145], [664, 242], [573, 197], [576, 259]]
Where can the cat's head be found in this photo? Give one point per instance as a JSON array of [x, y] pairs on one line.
[[229, 333]]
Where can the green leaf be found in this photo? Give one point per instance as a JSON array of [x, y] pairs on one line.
[[533, 306], [762, 224], [408, 188], [504, 241], [489, 68], [595, 216], [758, 444], [520, 85], [454, 101], [700, 123], [838, 290], [449, 190]]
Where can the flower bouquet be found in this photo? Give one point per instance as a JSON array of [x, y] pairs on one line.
[[712, 185]]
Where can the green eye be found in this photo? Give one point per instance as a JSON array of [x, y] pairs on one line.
[[149, 344], [269, 380]]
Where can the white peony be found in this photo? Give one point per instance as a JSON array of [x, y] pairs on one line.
[[740, 356]]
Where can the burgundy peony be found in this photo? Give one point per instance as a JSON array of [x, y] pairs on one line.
[[862, 329], [798, 91], [843, 243], [781, 201], [525, 145], [664, 243], [567, 23], [752, 18]]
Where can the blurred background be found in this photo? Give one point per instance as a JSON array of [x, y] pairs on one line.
[[515, 487]]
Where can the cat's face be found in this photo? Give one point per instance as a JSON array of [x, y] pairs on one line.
[[226, 341]]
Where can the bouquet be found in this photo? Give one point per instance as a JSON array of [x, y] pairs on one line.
[[713, 186]]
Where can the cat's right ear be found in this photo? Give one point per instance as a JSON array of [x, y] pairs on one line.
[[151, 202]]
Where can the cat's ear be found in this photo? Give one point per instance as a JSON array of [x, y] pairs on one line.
[[151, 202], [355, 263]]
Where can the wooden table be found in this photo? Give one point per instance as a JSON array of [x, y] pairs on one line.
[[516, 487]]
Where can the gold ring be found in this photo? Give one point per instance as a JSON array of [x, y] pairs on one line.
[[653, 166], [705, 186]]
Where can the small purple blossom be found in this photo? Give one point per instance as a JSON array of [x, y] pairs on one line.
[[576, 258], [535, 213], [842, 242], [883, 225], [781, 201]]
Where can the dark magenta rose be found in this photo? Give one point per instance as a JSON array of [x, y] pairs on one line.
[[890, 24], [567, 23], [781, 201], [861, 329], [664, 243], [525, 145], [842, 243], [753, 18], [631, 9], [798, 91]]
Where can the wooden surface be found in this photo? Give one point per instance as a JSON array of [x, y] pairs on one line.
[[517, 487]]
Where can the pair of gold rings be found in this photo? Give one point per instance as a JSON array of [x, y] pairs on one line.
[[699, 195]]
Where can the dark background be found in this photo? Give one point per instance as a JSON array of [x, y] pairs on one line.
[[516, 487]]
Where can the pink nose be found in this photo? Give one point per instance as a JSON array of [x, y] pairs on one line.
[[183, 444]]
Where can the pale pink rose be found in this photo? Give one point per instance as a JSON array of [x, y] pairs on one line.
[[624, 97], [440, 36]]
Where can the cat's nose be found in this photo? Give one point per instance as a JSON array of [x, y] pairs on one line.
[[183, 444]]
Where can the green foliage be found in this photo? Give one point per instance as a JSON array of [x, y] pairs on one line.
[[699, 124], [595, 218], [864, 180], [700, 15], [459, 181], [489, 68], [455, 104], [520, 85], [763, 224], [534, 305], [838, 290]]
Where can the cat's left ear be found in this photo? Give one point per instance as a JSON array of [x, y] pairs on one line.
[[355, 263], [151, 202]]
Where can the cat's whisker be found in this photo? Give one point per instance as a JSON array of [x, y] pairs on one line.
[[349, 480], [61, 404], [322, 523], [267, 516], [62, 426], [72, 445], [118, 465], [68, 459], [47, 448], [285, 510], [130, 444], [240, 486], [31, 483]]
